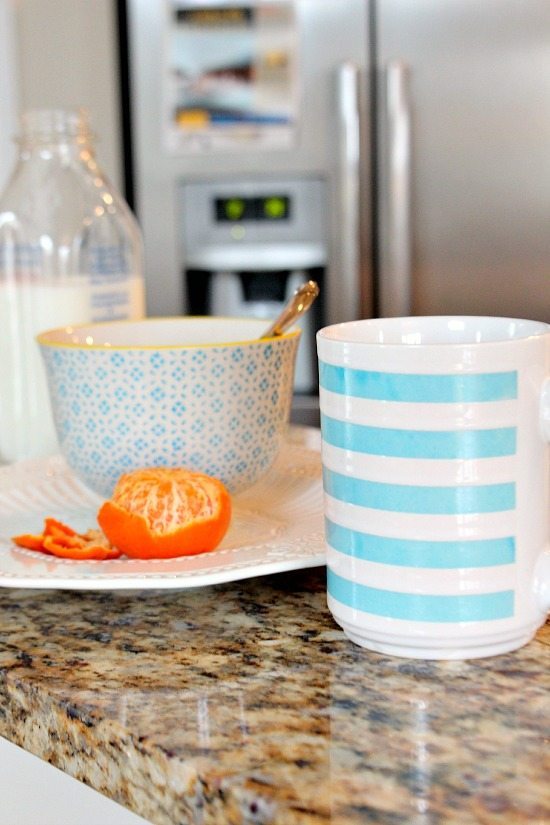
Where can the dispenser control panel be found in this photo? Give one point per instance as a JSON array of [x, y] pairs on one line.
[[254, 224], [269, 207]]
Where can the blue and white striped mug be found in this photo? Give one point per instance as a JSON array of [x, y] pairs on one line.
[[436, 477]]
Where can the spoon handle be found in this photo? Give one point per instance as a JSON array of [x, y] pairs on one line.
[[298, 304]]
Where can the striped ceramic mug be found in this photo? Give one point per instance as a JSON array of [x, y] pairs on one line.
[[436, 476]]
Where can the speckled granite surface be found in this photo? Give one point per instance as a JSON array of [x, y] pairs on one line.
[[243, 703]]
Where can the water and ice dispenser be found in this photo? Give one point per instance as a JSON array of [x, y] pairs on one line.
[[247, 245]]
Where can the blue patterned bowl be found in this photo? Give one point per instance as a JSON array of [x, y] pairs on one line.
[[203, 393]]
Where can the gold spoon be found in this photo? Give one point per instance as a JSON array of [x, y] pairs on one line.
[[297, 305]]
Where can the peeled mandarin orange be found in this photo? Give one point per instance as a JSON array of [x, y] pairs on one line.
[[164, 512]]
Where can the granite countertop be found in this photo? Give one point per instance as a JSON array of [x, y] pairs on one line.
[[244, 704]]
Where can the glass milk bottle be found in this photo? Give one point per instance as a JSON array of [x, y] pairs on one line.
[[70, 253]]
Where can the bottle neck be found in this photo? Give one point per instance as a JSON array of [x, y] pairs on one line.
[[52, 132]]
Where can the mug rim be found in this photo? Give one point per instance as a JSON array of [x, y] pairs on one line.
[[529, 330], [46, 338]]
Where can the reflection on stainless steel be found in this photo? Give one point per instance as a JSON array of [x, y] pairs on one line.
[[345, 294], [395, 206], [480, 176]]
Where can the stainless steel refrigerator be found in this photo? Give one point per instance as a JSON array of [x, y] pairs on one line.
[[427, 122]]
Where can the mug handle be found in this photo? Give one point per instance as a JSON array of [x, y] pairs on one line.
[[542, 570]]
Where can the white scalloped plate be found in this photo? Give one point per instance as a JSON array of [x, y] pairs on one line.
[[277, 525]]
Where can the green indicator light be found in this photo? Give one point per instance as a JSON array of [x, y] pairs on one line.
[[234, 209], [275, 207]]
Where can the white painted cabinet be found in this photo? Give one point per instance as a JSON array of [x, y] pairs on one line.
[[33, 792]]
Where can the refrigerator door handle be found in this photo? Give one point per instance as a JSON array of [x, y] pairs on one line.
[[395, 283], [345, 301]]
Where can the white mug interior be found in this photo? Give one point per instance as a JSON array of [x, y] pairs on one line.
[[434, 330]]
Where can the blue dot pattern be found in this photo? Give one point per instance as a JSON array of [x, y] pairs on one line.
[[221, 410]]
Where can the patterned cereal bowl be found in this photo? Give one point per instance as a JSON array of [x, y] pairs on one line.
[[204, 393]]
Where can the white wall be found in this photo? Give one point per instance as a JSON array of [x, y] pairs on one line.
[[67, 57], [8, 89]]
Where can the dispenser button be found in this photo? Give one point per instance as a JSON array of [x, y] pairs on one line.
[[238, 233]]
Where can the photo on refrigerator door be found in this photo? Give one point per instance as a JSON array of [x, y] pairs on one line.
[[230, 75]]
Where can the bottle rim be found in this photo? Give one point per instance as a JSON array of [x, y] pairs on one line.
[[55, 124]]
